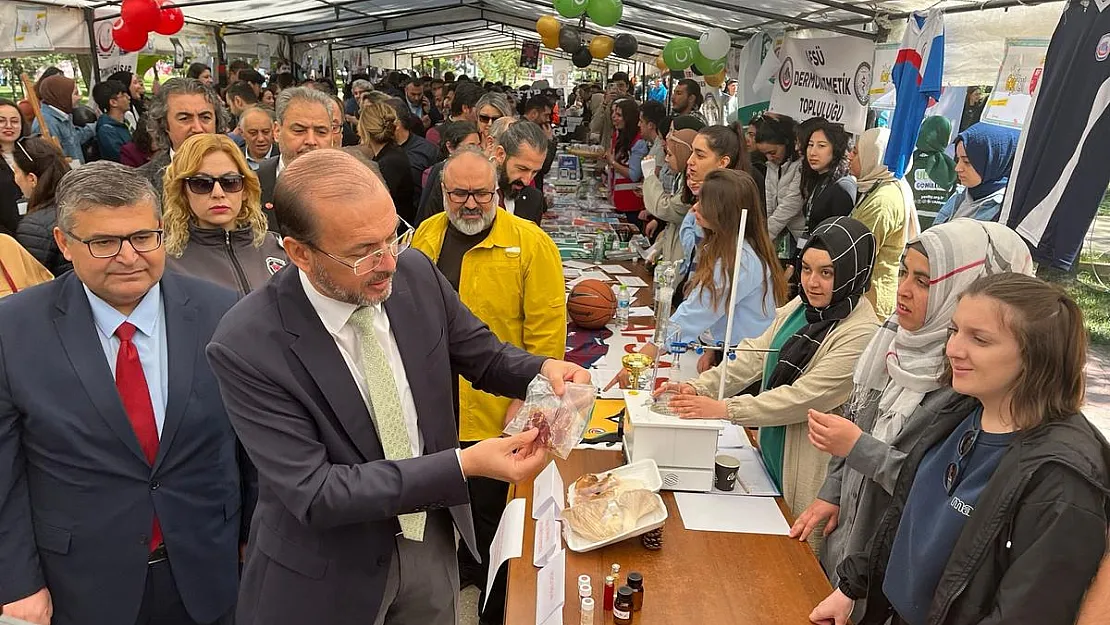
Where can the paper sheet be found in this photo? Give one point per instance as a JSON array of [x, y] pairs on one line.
[[508, 542], [631, 281], [548, 486], [570, 272], [703, 512], [551, 589], [549, 536], [577, 264], [614, 270], [752, 477], [601, 377], [641, 311], [733, 436]]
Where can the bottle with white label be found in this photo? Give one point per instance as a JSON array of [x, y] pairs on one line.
[[623, 303], [622, 606]]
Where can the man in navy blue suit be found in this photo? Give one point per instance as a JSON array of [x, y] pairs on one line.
[[120, 479]]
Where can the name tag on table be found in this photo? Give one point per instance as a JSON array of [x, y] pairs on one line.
[[551, 590], [547, 487], [548, 536]]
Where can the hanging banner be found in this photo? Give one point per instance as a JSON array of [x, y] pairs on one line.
[[30, 29], [752, 94], [882, 89], [827, 77], [264, 57], [1017, 82]]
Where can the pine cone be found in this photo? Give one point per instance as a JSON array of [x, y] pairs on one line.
[[653, 540]]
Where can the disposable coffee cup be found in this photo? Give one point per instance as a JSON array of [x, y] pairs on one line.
[[724, 472]]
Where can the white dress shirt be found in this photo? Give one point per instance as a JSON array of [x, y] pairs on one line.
[[335, 315]]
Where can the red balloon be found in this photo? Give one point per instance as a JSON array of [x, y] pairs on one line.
[[128, 38], [171, 20], [140, 14]]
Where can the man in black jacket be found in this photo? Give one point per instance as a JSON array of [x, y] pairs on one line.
[[183, 107]]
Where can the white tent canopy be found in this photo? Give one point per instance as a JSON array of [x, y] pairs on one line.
[[408, 29]]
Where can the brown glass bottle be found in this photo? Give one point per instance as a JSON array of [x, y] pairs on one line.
[[636, 583], [622, 606]]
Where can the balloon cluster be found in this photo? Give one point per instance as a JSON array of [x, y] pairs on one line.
[[706, 55], [569, 38], [138, 18]]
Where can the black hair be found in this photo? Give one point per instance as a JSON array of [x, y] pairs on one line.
[[251, 75], [537, 103], [631, 114], [656, 114], [839, 138], [46, 161], [241, 89], [449, 77], [777, 130], [621, 76], [724, 142], [238, 65], [463, 78], [466, 94], [453, 133], [196, 69], [692, 88], [140, 136], [419, 82], [103, 93], [284, 80]]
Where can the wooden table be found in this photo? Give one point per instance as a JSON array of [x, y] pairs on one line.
[[698, 578]]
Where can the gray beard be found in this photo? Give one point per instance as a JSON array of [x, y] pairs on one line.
[[470, 227], [328, 287]]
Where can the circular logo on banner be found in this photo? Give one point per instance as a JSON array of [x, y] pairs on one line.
[[1102, 51], [786, 74], [862, 83]]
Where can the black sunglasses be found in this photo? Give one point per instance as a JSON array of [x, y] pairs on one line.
[[202, 184], [952, 473], [489, 119]]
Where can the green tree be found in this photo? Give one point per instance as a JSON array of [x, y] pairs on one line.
[[499, 65]]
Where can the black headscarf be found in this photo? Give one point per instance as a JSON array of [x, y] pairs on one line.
[[851, 246]]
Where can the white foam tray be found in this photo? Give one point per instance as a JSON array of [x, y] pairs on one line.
[[647, 472]]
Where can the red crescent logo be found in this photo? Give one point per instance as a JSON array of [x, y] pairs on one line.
[[104, 41]]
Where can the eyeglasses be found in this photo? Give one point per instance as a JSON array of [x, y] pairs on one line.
[[373, 260], [109, 247], [952, 473], [462, 196], [202, 184], [489, 119]]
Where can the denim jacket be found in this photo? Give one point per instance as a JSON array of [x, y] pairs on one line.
[[61, 127]]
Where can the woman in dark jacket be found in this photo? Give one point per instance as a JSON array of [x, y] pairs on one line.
[[39, 167], [999, 514], [11, 130], [826, 186], [213, 224], [377, 127]]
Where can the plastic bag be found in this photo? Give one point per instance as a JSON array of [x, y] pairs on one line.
[[562, 421]]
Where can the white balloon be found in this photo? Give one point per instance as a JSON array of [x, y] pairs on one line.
[[714, 44]]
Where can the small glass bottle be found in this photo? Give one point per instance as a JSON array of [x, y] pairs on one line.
[[615, 571], [585, 590], [636, 583], [622, 606], [607, 598], [587, 611]]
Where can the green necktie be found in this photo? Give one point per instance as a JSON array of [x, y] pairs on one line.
[[388, 417]]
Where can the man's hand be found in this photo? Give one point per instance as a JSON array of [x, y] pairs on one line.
[[513, 459], [707, 361], [808, 521], [560, 371], [37, 608], [510, 412], [651, 227], [833, 434], [834, 610]]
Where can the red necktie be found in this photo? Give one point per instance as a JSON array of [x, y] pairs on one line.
[[133, 391]]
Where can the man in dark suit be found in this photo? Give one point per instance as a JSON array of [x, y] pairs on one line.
[[120, 501], [183, 107], [304, 121], [338, 379]]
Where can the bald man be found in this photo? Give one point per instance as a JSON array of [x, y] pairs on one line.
[[338, 380], [256, 126], [509, 273]]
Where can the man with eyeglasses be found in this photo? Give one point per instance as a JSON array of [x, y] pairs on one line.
[[304, 124], [122, 499], [345, 406], [509, 273]]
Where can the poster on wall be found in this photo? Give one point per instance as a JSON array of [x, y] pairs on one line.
[[530, 55], [882, 87], [827, 77], [1017, 82], [264, 57], [30, 28]]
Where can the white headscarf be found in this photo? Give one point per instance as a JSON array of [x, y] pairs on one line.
[[905, 365]]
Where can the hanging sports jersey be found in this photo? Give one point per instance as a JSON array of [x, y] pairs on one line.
[[917, 75], [1060, 171]]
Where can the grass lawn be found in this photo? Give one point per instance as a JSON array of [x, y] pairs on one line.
[[1094, 300]]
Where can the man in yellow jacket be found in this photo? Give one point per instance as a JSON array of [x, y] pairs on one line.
[[509, 273]]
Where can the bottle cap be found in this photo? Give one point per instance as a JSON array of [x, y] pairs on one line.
[[584, 590], [584, 579], [625, 591], [635, 578], [587, 603], [609, 580]]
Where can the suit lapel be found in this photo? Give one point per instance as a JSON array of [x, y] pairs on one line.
[[317, 351], [402, 311], [181, 341], [80, 340]]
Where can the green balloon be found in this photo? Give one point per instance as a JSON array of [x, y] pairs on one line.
[[680, 53], [605, 12], [571, 8], [708, 67]]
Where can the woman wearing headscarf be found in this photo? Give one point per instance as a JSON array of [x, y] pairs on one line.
[[59, 96], [885, 205], [805, 360], [666, 202], [898, 378], [984, 158]]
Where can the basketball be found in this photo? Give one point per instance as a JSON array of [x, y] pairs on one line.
[[591, 304]]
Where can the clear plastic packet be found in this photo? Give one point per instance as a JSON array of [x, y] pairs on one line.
[[562, 421]]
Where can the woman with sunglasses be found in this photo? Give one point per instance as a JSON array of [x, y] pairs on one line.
[[999, 513], [39, 167], [212, 216], [491, 107], [11, 129]]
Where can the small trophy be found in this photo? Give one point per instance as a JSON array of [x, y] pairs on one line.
[[636, 364]]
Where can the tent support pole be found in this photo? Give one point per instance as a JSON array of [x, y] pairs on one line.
[[221, 59], [90, 22]]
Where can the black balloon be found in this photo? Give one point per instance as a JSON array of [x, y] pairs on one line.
[[678, 74], [582, 58], [570, 40], [625, 46], [697, 72]]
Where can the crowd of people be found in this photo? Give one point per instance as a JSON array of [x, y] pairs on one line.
[[272, 412]]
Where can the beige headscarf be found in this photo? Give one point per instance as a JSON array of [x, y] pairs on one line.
[[871, 148]]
